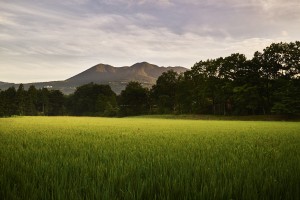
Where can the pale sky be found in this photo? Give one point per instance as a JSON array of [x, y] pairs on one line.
[[46, 40]]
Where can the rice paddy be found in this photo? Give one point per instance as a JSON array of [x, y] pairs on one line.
[[148, 158]]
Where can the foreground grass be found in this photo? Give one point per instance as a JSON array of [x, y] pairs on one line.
[[143, 158]]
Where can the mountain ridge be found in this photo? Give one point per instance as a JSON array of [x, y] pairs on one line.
[[116, 77]]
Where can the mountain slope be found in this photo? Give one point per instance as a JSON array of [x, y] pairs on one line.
[[4, 85], [142, 72], [116, 77]]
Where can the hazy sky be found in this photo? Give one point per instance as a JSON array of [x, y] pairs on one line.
[[43, 40]]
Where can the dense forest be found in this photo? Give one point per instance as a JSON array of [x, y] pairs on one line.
[[269, 83]]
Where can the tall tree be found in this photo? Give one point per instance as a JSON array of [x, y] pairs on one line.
[[279, 61], [10, 103], [31, 101], [184, 94], [2, 111], [56, 103], [93, 99], [21, 99], [199, 78], [43, 101], [287, 97], [134, 99], [164, 92]]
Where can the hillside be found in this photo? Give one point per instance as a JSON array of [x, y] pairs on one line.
[[4, 85], [116, 77]]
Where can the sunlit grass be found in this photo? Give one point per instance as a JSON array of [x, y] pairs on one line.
[[148, 158]]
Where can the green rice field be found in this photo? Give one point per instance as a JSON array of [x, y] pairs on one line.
[[148, 158]]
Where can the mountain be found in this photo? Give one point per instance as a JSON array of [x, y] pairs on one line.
[[5, 85], [116, 77]]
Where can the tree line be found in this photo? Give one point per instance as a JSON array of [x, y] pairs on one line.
[[269, 83], [31, 102]]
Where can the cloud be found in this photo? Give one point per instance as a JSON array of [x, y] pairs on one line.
[[50, 40], [138, 2]]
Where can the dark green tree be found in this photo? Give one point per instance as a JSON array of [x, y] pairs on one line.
[[21, 99], [43, 101], [184, 94], [56, 103], [279, 61], [92, 99], [134, 99], [203, 76], [164, 92], [31, 101], [10, 102], [2, 111], [287, 97]]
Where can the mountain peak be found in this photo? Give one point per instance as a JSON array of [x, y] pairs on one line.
[[102, 68], [143, 64]]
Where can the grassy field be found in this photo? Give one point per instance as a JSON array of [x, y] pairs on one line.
[[148, 158]]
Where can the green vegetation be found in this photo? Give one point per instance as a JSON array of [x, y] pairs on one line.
[[148, 158]]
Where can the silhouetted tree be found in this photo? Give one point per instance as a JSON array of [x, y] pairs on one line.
[[164, 92], [56, 103], [10, 102], [2, 104], [93, 99], [43, 101], [31, 101], [134, 99], [21, 98]]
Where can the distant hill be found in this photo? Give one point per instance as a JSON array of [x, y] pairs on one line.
[[5, 85], [116, 77]]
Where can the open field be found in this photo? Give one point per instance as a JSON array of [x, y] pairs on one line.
[[148, 158]]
